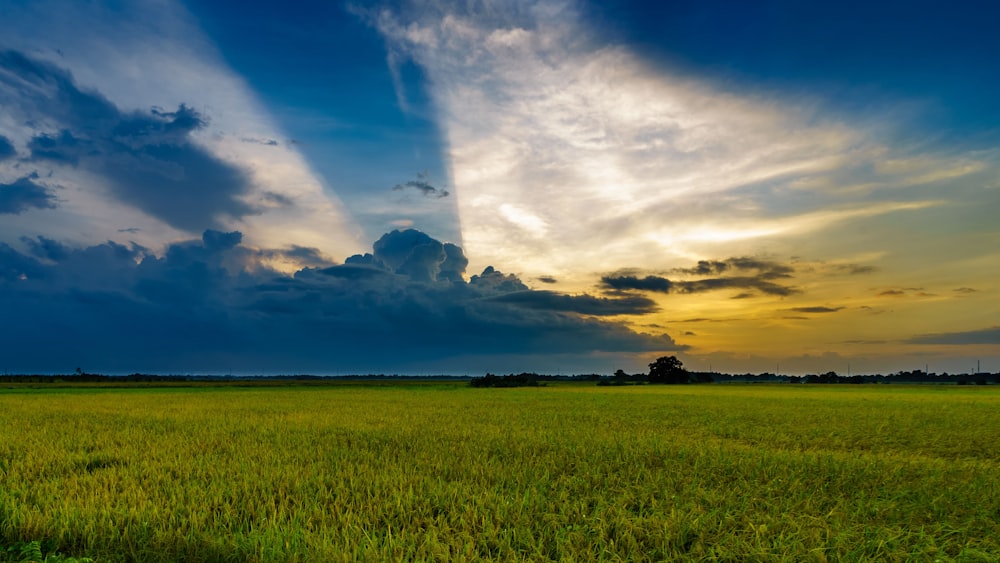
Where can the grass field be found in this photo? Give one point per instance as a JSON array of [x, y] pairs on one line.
[[446, 472]]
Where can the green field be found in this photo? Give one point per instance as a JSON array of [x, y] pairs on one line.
[[446, 472]]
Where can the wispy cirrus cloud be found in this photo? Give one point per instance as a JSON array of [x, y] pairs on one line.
[[578, 152]]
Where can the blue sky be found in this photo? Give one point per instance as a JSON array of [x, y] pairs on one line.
[[425, 187]]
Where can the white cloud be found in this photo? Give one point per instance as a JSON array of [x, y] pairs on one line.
[[616, 162], [148, 54]]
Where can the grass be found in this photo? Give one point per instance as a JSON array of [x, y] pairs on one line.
[[446, 472]]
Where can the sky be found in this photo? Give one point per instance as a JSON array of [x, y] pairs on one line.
[[558, 186]]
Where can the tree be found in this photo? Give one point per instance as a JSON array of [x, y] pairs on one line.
[[668, 369]]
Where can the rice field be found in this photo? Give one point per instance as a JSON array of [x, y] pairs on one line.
[[444, 472]]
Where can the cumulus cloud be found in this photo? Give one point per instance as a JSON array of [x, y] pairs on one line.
[[213, 304], [24, 194]]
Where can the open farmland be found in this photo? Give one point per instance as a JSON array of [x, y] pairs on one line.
[[442, 471]]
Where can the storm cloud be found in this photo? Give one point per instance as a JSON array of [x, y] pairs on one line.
[[214, 304], [148, 159]]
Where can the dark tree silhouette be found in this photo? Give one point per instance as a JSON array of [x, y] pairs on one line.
[[668, 369]]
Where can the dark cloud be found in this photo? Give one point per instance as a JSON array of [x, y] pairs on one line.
[[147, 158], [855, 269], [583, 304], [213, 304], [257, 141], [970, 337], [6, 149], [905, 291], [768, 269], [45, 248], [731, 273], [664, 285], [965, 290], [547, 279], [738, 282], [423, 186], [272, 199], [815, 309], [24, 194], [648, 283], [130, 230]]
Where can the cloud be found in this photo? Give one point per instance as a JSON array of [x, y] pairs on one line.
[[273, 199], [257, 141], [664, 285], [905, 292], [961, 338], [569, 151], [7, 149], [148, 60], [767, 268], [583, 304], [148, 159], [213, 304], [817, 309], [766, 271], [856, 269], [648, 283], [45, 248], [24, 194], [422, 186]]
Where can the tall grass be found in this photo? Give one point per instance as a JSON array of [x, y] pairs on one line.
[[443, 472]]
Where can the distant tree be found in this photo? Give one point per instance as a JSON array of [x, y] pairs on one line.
[[668, 369], [621, 378]]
